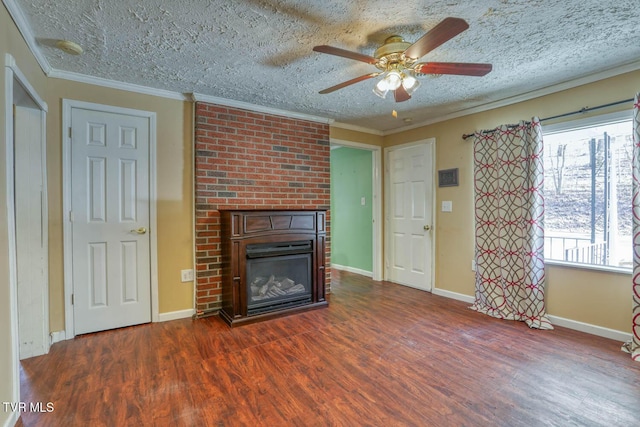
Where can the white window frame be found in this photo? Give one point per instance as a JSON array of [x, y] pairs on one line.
[[582, 123]]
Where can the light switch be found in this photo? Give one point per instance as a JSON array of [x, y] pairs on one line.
[[363, 201], [186, 275], [447, 206]]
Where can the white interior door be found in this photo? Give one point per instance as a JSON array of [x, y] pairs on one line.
[[31, 236], [110, 220], [410, 175]]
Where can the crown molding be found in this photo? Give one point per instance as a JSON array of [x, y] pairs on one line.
[[591, 78], [355, 128], [25, 30], [198, 97], [114, 84]]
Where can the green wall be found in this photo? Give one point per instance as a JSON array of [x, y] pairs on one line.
[[351, 223]]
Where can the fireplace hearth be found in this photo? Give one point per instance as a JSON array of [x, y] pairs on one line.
[[273, 264]]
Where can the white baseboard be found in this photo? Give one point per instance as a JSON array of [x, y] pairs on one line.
[[57, 336], [175, 315], [555, 320], [453, 295], [590, 329], [352, 270]]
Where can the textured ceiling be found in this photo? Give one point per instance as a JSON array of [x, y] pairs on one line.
[[260, 51]]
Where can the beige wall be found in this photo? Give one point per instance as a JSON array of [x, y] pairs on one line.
[[598, 298], [336, 133], [174, 124]]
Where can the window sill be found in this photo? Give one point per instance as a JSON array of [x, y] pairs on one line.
[[602, 268]]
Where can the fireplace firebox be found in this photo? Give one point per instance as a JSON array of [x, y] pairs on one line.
[[273, 263], [278, 275]]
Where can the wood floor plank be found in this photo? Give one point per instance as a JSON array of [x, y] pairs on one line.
[[380, 354]]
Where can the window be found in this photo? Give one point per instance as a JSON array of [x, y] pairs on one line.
[[587, 184]]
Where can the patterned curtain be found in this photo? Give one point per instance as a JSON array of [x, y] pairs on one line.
[[633, 346], [509, 211]]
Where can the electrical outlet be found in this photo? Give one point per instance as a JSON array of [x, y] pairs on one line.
[[187, 275]]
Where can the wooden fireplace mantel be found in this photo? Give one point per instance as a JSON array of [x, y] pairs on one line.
[[244, 227]]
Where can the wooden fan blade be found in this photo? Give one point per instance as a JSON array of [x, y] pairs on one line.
[[459, 68], [349, 82], [401, 94], [345, 53], [447, 29]]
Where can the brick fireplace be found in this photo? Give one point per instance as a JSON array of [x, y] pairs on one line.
[[246, 160]]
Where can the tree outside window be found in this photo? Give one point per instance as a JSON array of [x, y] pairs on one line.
[[588, 182]]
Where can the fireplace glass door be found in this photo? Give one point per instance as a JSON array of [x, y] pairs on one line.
[[278, 276]]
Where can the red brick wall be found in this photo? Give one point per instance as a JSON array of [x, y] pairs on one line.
[[251, 160]]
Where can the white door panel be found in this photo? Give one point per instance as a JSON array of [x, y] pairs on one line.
[[110, 218], [411, 188], [400, 252]]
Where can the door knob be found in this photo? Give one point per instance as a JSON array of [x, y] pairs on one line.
[[140, 230], [427, 227]]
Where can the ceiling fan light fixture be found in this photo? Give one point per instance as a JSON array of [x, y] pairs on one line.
[[398, 63], [410, 84], [382, 85], [393, 79], [381, 88]]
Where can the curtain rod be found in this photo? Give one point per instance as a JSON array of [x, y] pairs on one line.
[[580, 111], [587, 109]]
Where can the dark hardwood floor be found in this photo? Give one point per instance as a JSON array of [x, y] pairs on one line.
[[380, 355]]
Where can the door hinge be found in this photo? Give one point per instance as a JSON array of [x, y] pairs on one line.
[[70, 216], [71, 299], [69, 131]]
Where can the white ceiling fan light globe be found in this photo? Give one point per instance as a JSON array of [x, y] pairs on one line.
[[393, 79], [410, 84], [381, 88], [382, 85]]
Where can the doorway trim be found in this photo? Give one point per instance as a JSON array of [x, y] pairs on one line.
[[13, 74], [431, 146], [67, 106], [376, 180]]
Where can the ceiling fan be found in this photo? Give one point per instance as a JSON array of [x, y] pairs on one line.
[[397, 61]]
